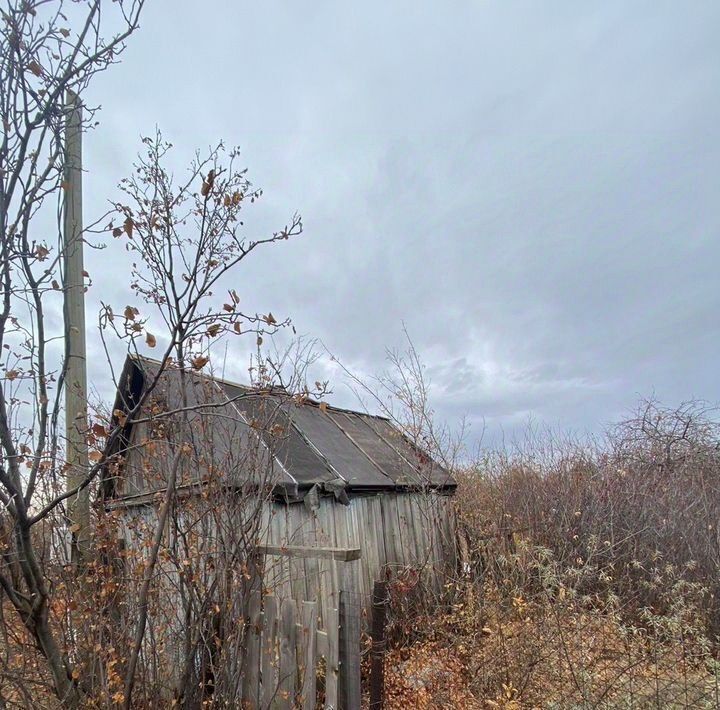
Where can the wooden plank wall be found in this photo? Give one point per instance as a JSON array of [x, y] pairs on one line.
[[393, 530], [282, 656]]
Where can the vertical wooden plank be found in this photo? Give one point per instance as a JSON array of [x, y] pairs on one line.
[[309, 641], [273, 577], [325, 567], [269, 663], [332, 660], [288, 659], [286, 590], [295, 536], [369, 549], [319, 567], [350, 692], [378, 557], [390, 530], [413, 524], [379, 525], [307, 532], [340, 516], [358, 523], [439, 558], [312, 585], [251, 684], [402, 548]]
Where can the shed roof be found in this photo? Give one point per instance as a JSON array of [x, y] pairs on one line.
[[318, 445]]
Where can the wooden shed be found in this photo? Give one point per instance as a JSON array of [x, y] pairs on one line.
[[334, 478]]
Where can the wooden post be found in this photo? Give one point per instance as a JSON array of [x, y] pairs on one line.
[[74, 307], [377, 658]]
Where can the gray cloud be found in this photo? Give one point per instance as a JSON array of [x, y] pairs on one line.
[[530, 188]]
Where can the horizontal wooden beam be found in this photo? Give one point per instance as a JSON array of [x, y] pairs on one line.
[[344, 554]]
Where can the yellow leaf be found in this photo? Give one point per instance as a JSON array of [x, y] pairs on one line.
[[150, 340], [11, 374]]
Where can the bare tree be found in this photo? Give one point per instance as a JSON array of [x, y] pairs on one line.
[[43, 56], [186, 236], [56, 627]]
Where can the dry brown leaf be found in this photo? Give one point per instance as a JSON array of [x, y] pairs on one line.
[[99, 430], [200, 361]]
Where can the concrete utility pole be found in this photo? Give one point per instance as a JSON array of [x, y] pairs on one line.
[[76, 416]]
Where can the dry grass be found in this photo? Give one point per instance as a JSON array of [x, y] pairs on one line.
[[553, 647], [589, 576]]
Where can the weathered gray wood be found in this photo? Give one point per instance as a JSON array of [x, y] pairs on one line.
[[343, 554], [390, 531], [76, 406], [349, 662], [251, 684], [305, 538], [321, 639], [332, 658], [269, 663], [309, 642], [377, 653], [288, 658], [296, 538]]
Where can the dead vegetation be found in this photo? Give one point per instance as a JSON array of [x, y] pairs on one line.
[[587, 576]]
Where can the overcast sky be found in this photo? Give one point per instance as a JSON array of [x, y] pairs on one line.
[[532, 188]]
